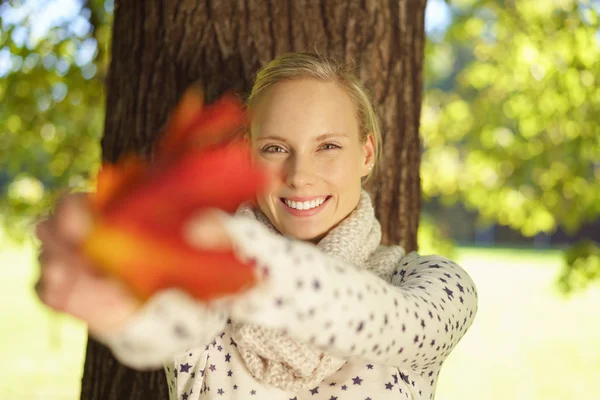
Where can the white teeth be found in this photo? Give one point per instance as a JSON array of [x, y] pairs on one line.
[[306, 205]]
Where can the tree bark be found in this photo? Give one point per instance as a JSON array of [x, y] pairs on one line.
[[160, 47]]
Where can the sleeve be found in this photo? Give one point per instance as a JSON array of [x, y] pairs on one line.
[[170, 322], [413, 321]]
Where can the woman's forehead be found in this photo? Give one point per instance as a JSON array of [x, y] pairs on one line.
[[320, 107]]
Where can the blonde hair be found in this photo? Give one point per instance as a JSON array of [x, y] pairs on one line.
[[293, 66]]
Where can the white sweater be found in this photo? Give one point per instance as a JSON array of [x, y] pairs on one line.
[[394, 334]]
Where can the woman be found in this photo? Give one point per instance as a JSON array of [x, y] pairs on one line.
[[334, 315]]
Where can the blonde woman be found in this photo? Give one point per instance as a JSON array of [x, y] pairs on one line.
[[335, 315]]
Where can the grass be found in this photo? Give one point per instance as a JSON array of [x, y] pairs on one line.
[[527, 342]]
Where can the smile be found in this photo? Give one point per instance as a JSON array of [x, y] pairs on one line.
[[305, 207]]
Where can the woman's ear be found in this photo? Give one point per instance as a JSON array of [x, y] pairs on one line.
[[369, 155]]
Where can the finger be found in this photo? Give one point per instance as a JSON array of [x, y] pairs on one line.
[[73, 218], [43, 230], [103, 303], [55, 284], [47, 233], [207, 231], [55, 250]]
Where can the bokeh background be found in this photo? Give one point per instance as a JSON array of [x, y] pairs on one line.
[[510, 171]]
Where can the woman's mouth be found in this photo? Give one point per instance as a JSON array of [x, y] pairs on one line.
[[308, 207]]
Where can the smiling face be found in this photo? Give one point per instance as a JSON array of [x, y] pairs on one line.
[[307, 132]]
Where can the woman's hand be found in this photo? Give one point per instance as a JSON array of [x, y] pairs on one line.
[[68, 282]]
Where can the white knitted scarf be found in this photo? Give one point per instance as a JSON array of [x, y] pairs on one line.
[[276, 359]]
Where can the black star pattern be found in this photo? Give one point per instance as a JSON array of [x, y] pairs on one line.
[[430, 291], [316, 285], [360, 326], [404, 377], [448, 292], [181, 331], [185, 367]]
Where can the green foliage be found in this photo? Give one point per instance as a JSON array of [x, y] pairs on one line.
[[517, 136], [582, 265], [511, 116], [432, 240], [51, 102]]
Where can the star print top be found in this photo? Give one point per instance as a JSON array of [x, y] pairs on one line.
[[394, 335]]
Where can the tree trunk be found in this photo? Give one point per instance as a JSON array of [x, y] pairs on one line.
[[160, 47]]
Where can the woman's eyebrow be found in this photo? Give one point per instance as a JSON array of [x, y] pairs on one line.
[[331, 135], [319, 138], [272, 137]]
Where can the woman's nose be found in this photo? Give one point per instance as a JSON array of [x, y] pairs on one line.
[[300, 173]]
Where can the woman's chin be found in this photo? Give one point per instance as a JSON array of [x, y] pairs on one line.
[[307, 235]]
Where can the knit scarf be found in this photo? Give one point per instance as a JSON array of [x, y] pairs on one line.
[[276, 359]]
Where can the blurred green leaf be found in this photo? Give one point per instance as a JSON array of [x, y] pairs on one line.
[[52, 108], [515, 134], [582, 265]]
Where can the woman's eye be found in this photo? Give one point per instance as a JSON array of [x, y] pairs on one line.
[[273, 149], [330, 146]]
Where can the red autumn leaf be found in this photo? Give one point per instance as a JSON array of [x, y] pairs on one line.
[[141, 207]]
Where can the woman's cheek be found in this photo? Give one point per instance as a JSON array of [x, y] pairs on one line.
[[336, 170]]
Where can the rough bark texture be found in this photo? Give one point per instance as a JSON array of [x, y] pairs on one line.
[[160, 47]]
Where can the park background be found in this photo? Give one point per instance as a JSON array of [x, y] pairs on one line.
[[510, 174]]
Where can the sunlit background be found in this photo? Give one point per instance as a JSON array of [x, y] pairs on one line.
[[510, 170]]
